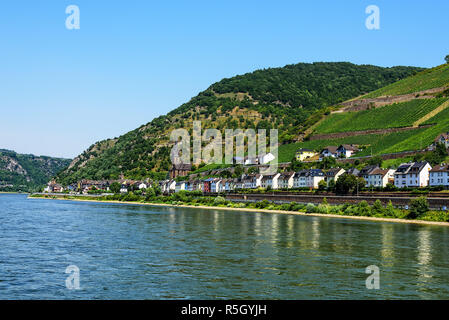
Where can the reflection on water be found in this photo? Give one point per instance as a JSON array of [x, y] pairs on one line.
[[387, 245], [425, 270], [315, 233], [145, 252]]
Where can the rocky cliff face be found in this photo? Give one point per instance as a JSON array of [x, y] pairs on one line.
[[27, 172], [11, 165]]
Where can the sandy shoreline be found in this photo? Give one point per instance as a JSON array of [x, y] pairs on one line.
[[248, 210], [5, 192]]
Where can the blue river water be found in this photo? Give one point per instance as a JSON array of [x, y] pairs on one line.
[[152, 252]]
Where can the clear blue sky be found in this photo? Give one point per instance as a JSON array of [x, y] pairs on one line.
[[62, 90]]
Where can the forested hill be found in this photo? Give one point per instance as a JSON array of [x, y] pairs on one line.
[[289, 99], [26, 172]]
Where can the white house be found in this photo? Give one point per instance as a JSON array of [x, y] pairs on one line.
[[180, 186], [123, 188], [167, 186], [285, 180], [439, 176], [270, 181], [143, 185], [366, 171], [222, 185], [334, 174], [252, 181], [308, 178], [163, 185], [238, 183], [228, 185], [330, 151], [413, 174], [215, 185], [346, 150], [379, 177]]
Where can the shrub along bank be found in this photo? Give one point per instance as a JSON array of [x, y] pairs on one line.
[[418, 210]]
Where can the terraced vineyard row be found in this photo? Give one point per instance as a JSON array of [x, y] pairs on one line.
[[391, 116], [375, 144], [432, 78]]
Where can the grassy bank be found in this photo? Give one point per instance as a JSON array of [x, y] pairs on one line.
[[416, 214]]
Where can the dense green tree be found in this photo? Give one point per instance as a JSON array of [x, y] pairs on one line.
[[322, 185], [115, 187], [225, 174], [447, 58], [253, 170], [238, 170], [363, 209], [345, 183], [331, 185], [328, 162], [389, 210], [377, 208], [150, 193], [375, 161], [157, 190], [418, 207]]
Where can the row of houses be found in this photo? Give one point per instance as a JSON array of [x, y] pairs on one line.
[[410, 175], [285, 180], [84, 186], [342, 151]]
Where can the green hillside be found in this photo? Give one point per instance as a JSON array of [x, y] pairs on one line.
[[289, 99], [434, 109], [391, 116], [428, 79], [372, 144]]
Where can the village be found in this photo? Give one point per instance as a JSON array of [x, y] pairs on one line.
[[411, 175]]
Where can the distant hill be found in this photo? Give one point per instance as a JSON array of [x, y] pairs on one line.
[[26, 172], [290, 99], [404, 116]]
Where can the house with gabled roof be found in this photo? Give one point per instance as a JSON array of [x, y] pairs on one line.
[[215, 185], [180, 186], [252, 181], [364, 173], [379, 177], [412, 174], [334, 173], [285, 180], [439, 175], [308, 178], [270, 181], [304, 154], [330, 151], [346, 150], [238, 183]]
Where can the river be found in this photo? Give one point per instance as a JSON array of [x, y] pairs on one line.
[[153, 252]]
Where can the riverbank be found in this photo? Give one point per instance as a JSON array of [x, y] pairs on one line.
[[252, 210], [12, 192]]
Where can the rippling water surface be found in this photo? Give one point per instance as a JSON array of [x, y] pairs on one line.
[[146, 252]]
